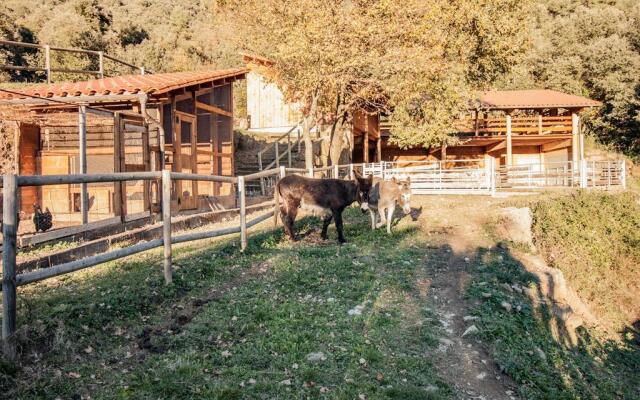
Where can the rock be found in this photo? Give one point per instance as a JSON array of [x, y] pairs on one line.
[[286, 382], [472, 330], [486, 295], [541, 353], [362, 361], [446, 342], [506, 306], [316, 357], [481, 375], [517, 225], [357, 310], [252, 381], [468, 318], [507, 287], [467, 260]]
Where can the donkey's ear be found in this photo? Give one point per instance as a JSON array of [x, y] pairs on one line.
[[370, 178]]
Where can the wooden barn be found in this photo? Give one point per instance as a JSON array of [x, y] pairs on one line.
[[179, 121], [514, 127], [267, 111]]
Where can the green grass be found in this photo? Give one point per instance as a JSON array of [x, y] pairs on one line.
[[526, 343], [226, 330], [594, 239]]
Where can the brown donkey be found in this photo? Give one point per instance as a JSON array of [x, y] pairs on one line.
[[384, 196], [324, 197]]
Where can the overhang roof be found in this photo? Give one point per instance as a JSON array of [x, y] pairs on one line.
[[533, 99], [150, 84]]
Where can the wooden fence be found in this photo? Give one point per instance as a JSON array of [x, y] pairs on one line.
[[13, 183], [48, 69]]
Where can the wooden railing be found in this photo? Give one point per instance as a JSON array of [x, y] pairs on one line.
[[48, 69], [534, 125]]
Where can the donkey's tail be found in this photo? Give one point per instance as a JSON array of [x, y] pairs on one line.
[[276, 203]]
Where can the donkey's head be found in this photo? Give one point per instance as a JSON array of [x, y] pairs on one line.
[[363, 187], [405, 195]]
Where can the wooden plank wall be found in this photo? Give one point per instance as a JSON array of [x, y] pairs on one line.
[[266, 106]]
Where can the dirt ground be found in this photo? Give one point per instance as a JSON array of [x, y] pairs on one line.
[[455, 226]]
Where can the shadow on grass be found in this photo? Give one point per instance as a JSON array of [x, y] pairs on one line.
[[538, 345], [232, 317]]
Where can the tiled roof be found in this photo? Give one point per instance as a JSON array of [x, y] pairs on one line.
[[537, 98], [152, 84]]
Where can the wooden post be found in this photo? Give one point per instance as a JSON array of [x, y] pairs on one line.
[[101, 64], [509, 141], [379, 149], [146, 158], [9, 232], [243, 214], [365, 147], [575, 158], [443, 153], [166, 225], [336, 171], [277, 148], [283, 172], [120, 188], [289, 148], [82, 129], [539, 124], [299, 142], [47, 62], [311, 171], [142, 71], [351, 171]]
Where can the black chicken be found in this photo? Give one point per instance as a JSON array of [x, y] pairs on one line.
[[43, 221]]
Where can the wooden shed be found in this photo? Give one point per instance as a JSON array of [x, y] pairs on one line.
[[179, 121]]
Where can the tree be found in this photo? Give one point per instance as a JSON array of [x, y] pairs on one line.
[[416, 61], [590, 49]]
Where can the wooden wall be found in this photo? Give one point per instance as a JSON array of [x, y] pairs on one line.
[[266, 107], [28, 165]]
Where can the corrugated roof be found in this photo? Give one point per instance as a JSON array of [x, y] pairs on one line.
[[536, 98], [152, 84]]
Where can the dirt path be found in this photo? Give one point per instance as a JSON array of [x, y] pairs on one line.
[[455, 232]]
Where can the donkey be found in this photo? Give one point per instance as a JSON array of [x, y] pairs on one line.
[[384, 196], [324, 197]]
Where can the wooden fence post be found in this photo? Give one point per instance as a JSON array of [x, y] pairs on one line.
[[336, 172], [9, 232], [283, 172], [243, 213], [47, 62], [289, 148], [351, 171], [100, 64], [82, 129], [311, 171], [166, 224]]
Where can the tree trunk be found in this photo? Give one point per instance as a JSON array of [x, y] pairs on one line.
[[307, 125]]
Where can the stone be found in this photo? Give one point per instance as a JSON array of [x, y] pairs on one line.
[[506, 306], [316, 357], [472, 330]]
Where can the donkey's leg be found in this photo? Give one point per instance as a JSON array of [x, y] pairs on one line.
[[390, 211], [337, 217], [325, 225], [372, 215], [289, 219], [383, 218]]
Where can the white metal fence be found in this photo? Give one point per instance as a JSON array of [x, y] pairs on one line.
[[483, 176]]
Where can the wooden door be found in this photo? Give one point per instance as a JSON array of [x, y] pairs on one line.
[[187, 160]]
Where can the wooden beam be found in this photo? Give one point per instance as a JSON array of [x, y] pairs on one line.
[[379, 149], [575, 136], [509, 140], [496, 146], [214, 109], [556, 145]]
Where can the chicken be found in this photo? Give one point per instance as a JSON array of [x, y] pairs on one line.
[[43, 221]]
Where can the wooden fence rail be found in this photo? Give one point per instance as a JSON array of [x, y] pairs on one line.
[[11, 186], [48, 69]]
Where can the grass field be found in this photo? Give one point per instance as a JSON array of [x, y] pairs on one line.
[[282, 321], [381, 317]]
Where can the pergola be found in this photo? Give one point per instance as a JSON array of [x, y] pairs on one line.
[[541, 117]]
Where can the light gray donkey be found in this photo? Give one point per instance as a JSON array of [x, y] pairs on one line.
[[383, 197]]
